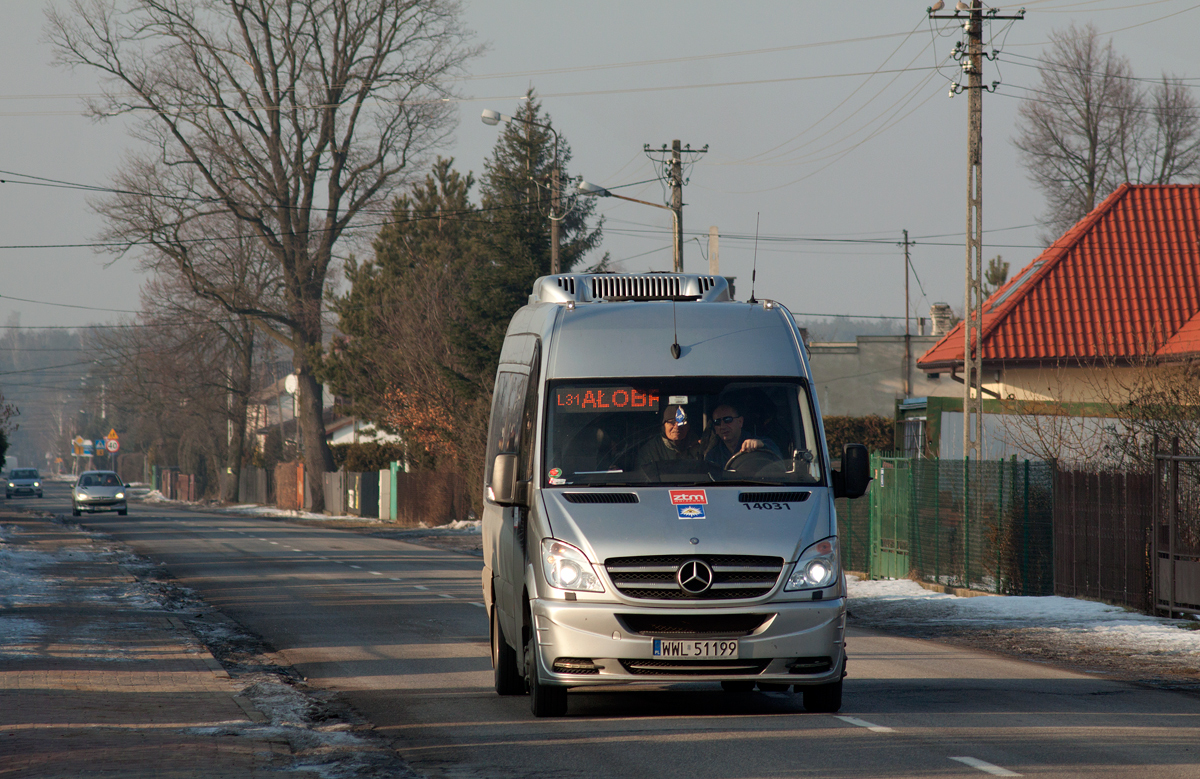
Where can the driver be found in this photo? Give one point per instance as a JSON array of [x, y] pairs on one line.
[[677, 442], [728, 422]]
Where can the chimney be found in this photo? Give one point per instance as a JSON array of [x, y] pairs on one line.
[[940, 316]]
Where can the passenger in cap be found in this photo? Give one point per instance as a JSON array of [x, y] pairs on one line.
[[680, 439]]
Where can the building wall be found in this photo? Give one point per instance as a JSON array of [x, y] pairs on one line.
[[867, 376], [1066, 384]]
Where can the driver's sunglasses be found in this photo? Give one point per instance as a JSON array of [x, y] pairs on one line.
[[724, 420]]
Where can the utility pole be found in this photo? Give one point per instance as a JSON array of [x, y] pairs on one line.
[[677, 201], [970, 58], [907, 332], [555, 219], [673, 170], [714, 252]]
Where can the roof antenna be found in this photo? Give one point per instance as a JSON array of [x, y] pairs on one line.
[[754, 271], [675, 348]]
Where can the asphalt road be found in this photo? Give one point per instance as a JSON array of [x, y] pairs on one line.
[[400, 631]]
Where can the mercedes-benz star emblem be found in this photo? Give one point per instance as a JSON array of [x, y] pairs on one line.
[[694, 576]]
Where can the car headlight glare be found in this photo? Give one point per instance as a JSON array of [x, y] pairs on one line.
[[816, 568], [37, 484], [567, 568], [120, 495]]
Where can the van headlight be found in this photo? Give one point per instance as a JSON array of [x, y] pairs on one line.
[[816, 568], [120, 495], [37, 484], [567, 568]]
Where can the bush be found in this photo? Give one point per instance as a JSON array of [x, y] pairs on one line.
[[365, 457], [875, 432]]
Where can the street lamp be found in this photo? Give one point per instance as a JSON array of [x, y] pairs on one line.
[[588, 189], [491, 117]]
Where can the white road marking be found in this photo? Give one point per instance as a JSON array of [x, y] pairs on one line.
[[356, 567], [862, 723], [393, 578], [987, 768], [444, 595], [274, 543], [420, 586], [480, 605], [375, 573], [319, 557], [295, 550]]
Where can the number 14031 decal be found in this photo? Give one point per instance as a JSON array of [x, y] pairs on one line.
[[768, 506]]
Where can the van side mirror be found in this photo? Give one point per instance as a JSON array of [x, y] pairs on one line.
[[855, 476], [506, 489]]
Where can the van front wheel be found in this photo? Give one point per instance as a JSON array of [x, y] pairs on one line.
[[545, 700], [823, 698], [504, 661]]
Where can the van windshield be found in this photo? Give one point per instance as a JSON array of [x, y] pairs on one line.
[[680, 431]]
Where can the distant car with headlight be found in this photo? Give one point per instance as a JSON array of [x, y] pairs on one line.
[[23, 481], [99, 491]]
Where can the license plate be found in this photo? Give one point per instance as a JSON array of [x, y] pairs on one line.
[[695, 650]]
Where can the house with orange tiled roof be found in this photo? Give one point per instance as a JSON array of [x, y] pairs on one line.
[[1073, 331]]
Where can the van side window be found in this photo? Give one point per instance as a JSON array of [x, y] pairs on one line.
[[508, 403], [529, 414]]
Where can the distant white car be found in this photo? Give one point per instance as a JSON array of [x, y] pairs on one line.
[[23, 481], [99, 491]]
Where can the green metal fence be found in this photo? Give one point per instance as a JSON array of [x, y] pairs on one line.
[[984, 525], [854, 529]]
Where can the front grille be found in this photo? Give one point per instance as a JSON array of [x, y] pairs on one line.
[[694, 667], [600, 497], [772, 497], [694, 625], [734, 576]]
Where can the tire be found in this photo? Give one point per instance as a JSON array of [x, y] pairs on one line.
[[75, 512], [823, 698], [504, 661], [122, 512], [545, 700], [737, 686]]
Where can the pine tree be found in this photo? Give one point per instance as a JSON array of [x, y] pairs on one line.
[[514, 246], [401, 306]]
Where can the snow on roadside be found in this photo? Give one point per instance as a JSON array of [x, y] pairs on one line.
[[1069, 626]]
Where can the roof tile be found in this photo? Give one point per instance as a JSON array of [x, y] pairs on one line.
[[1123, 282]]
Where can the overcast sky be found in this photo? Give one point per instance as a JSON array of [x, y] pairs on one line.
[[800, 134]]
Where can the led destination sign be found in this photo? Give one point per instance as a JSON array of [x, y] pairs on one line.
[[605, 399]]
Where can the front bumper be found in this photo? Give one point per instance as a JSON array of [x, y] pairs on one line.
[[798, 643], [23, 490], [101, 504]]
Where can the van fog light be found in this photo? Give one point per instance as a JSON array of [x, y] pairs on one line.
[[816, 568], [567, 568]]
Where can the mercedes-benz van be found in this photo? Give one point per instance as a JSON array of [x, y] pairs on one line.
[[658, 497]]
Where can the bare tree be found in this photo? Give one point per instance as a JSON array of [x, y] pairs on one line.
[[296, 117], [1166, 147], [1071, 137]]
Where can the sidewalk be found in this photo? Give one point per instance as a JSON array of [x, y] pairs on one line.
[[97, 678]]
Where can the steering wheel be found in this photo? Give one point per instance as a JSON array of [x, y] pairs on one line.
[[751, 461]]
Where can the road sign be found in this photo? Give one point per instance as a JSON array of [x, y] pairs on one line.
[[112, 435], [87, 448], [77, 444], [99, 446], [112, 445]]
